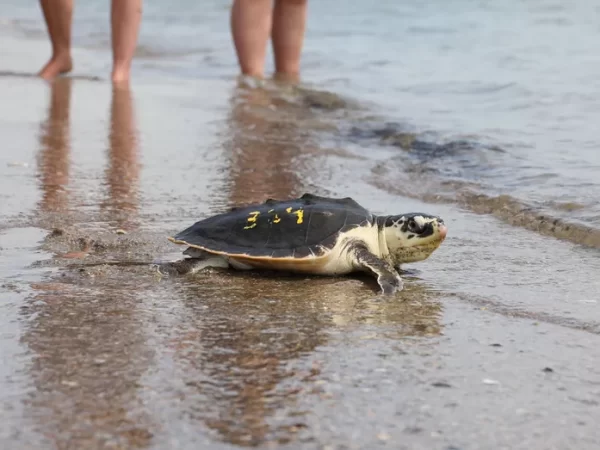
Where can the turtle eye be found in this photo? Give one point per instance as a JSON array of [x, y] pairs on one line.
[[412, 226]]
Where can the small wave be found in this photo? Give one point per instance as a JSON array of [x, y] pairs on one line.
[[284, 94], [9, 73], [459, 171], [459, 158], [566, 206], [151, 52], [516, 213], [504, 207], [424, 144], [469, 87]]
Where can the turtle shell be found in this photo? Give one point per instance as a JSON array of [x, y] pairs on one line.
[[306, 227]]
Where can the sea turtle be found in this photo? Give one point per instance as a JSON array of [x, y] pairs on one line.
[[313, 235]]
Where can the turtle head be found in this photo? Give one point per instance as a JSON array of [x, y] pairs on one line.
[[412, 237]]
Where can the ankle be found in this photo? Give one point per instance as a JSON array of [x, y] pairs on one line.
[[120, 74], [61, 55], [58, 64]]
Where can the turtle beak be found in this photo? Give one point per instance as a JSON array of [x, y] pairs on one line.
[[443, 230]]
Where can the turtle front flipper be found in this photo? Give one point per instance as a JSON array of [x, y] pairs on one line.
[[387, 277]]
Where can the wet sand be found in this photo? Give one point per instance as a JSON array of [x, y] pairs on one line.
[[492, 344]]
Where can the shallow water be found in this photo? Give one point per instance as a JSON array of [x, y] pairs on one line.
[[494, 341]]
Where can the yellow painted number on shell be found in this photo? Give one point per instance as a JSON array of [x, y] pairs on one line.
[[277, 219], [299, 213], [252, 220]]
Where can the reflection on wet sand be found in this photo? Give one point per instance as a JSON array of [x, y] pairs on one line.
[[88, 354], [55, 149], [266, 145], [88, 348], [120, 206], [249, 349], [238, 354], [122, 173]]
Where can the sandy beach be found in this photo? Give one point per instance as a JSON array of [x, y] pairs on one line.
[[493, 344]]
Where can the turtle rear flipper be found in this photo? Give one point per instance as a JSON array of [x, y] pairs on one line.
[[198, 261], [194, 252]]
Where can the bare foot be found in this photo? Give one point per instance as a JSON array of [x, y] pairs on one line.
[[56, 66]]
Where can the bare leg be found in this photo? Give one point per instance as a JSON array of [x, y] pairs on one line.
[[289, 24], [58, 15], [125, 24], [250, 28]]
